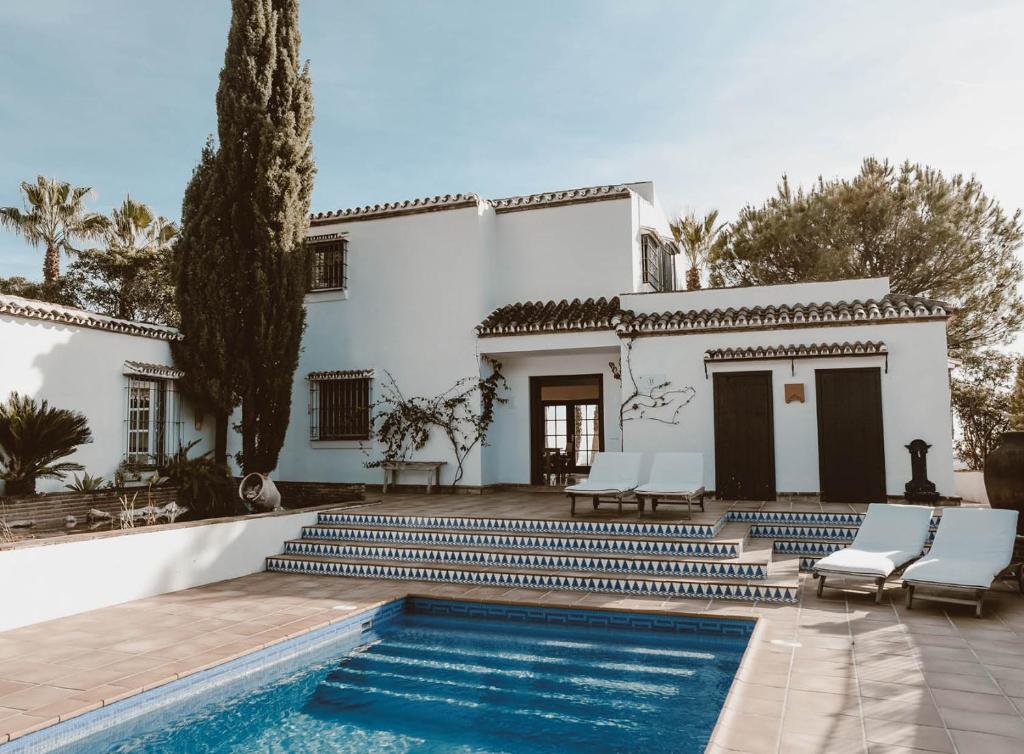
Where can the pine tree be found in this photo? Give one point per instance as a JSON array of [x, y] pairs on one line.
[[205, 298], [265, 174], [1017, 399]]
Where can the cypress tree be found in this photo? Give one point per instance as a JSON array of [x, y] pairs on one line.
[[264, 172], [204, 298]]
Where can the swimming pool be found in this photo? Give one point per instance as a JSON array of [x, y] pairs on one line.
[[426, 675]]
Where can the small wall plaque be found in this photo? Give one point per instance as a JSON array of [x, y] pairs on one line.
[[794, 392]]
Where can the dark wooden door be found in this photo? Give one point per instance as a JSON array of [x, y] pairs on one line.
[[851, 453], [744, 436]]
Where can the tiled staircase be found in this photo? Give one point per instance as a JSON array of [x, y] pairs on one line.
[[713, 559]]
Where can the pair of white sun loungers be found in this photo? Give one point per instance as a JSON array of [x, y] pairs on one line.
[[971, 547], [615, 478]]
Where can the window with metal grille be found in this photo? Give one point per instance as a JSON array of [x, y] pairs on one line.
[[152, 429], [339, 408], [329, 260], [658, 262]]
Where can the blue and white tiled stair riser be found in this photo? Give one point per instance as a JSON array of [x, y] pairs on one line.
[[589, 545], [639, 587], [552, 562], [639, 528]]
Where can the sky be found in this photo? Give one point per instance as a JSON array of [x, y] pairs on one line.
[[713, 101]]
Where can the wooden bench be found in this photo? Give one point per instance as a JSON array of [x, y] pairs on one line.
[[432, 469]]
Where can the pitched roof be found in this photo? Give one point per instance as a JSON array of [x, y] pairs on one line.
[[147, 369], [457, 201], [551, 316], [606, 314], [27, 308], [888, 308]]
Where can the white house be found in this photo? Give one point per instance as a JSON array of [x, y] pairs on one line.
[[118, 373], [809, 388]]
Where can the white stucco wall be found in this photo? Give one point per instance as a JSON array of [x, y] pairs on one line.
[[915, 398], [81, 368], [50, 580], [571, 251], [764, 295], [415, 293]]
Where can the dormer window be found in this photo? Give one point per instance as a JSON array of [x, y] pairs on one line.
[[328, 262], [658, 259]]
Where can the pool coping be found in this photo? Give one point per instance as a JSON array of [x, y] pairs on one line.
[[48, 736]]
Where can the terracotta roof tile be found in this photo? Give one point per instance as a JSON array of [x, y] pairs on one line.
[[888, 308], [27, 308], [551, 316], [803, 351]]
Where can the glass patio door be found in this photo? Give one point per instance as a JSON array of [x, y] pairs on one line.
[[572, 429]]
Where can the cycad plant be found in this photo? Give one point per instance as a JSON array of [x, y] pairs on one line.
[[697, 237], [53, 216], [33, 438]]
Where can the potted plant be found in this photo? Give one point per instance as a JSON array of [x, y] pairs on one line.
[[1004, 474]]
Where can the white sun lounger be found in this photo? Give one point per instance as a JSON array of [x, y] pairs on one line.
[[675, 478], [612, 475], [890, 537], [970, 549]]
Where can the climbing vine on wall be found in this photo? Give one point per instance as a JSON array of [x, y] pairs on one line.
[[659, 402], [463, 413]]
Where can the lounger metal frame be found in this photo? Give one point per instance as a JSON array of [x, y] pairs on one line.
[[979, 595], [879, 581], [673, 498], [596, 500]]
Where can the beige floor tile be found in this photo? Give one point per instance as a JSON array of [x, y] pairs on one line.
[[976, 683], [972, 742], [1010, 726], [35, 696], [925, 737], [967, 700]]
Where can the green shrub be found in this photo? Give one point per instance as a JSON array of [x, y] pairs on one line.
[[207, 487], [86, 483], [33, 438]]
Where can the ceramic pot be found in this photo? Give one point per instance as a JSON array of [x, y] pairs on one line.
[[1004, 475]]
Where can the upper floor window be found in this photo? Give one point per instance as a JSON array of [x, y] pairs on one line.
[[152, 423], [339, 405], [659, 263], [329, 262]]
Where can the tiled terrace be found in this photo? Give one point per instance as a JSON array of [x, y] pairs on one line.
[[838, 674]]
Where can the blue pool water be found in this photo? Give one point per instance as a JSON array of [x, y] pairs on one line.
[[423, 682]]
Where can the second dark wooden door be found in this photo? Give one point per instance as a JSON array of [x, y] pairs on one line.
[[851, 453], [744, 436]]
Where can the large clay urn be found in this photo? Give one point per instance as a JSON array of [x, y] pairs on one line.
[[1004, 475]]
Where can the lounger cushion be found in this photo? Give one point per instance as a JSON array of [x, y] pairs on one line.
[[889, 538], [971, 547], [603, 486], [670, 489], [611, 473], [864, 562]]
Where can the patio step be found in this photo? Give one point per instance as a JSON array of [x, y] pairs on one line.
[[770, 590], [753, 566], [729, 541], [706, 527]]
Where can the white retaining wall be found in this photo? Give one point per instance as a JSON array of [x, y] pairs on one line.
[[970, 485], [43, 581]]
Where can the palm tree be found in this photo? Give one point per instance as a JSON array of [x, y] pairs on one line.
[[131, 278], [697, 237], [53, 217]]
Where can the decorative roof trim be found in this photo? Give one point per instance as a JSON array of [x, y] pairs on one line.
[[154, 371], [394, 209], [559, 198], [808, 351], [542, 317], [344, 374], [25, 308], [458, 201], [893, 308]]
